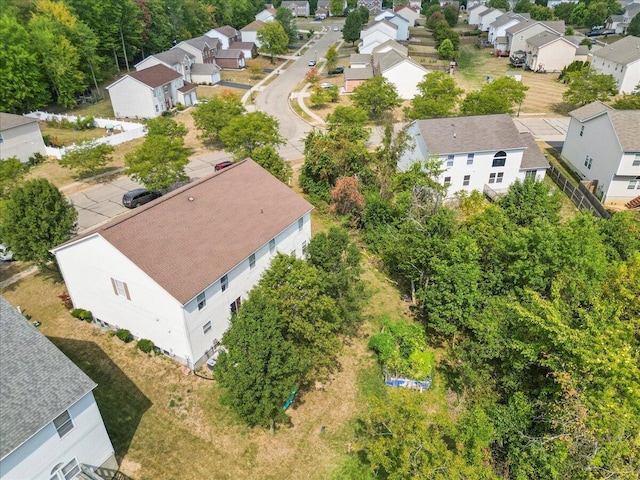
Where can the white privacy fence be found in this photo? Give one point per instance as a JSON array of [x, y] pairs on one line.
[[126, 130]]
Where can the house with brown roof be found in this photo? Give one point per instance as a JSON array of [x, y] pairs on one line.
[[249, 49], [176, 59], [249, 33], [603, 146], [174, 270], [20, 137], [475, 152], [231, 58], [150, 92], [621, 60]]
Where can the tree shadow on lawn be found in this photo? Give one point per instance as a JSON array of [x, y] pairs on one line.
[[121, 403]]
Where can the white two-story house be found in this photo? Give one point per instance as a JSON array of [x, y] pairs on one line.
[[475, 151], [50, 425], [176, 269], [150, 92], [176, 59], [621, 60], [603, 146]]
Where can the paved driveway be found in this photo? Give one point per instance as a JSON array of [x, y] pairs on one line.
[[551, 130]]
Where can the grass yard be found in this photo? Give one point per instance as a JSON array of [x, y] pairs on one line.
[[69, 136], [165, 424]]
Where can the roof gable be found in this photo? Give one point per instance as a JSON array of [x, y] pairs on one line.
[[152, 77], [188, 239], [9, 120], [624, 51], [38, 381]]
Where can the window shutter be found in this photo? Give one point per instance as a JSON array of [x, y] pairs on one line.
[[126, 291], [113, 284]]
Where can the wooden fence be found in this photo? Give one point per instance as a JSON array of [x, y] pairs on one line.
[[579, 195]]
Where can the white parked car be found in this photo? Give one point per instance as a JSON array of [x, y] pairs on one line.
[[6, 255], [326, 85]]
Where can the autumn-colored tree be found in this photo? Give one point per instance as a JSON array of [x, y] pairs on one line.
[[346, 198], [312, 76]]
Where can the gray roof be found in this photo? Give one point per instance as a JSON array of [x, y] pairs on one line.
[[624, 51], [398, 47], [589, 111], [543, 39], [491, 10], [204, 69], [358, 73], [504, 19], [360, 58], [626, 123], [38, 381], [227, 30], [253, 26], [203, 41], [231, 53], [554, 25], [532, 158], [387, 60], [9, 120], [478, 133], [174, 56]]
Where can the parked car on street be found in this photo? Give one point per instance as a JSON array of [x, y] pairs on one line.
[[138, 197], [312, 63], [6, 255], [221, 165]]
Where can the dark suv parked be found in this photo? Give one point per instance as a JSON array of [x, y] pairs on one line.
[[138, 197], [337, 71]]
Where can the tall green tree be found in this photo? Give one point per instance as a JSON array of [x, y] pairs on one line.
[[12, 170], [24, 87], [212, 116], [352, 27], [331, 58], [87, 159], [530, 201], [499, 96], [288, 22], [268, 158], [36, 218], [450, 15], [438, 96], [502, 4], [446, 49], [158, 162], [538, 12], [244, 134], [273, 39], [588, 87], [634, 27], [377, 96]]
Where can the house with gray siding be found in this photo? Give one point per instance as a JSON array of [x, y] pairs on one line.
[[50, 424], [20, 137]]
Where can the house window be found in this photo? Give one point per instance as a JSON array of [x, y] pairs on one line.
[[447, 181], [157, 109], [235, 306], [300, 224], [467, 179], [1, 138], [120, 288], [470, 158], [492, 178], [581, 130], [530, 174], [69, 471], [304, 248], [634, 183], [63, 423], [499, 177], [499, 159], [224, 283], [252, 261], [636, 160], [588, 161], [202, 301], [272, 245], [450, 160], [206, 328]]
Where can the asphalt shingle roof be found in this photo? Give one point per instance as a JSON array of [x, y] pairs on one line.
[[358, 73], [174, 56], [627, 126], [478, 133], [624, 51], [9, 120], [189, 238], [155, 76], [590, 110], [37, 381], [532, 158]]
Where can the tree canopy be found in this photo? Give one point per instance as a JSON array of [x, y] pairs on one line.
[[246, 133], [377, 96], [499, 96], [273, 39], [587, 87], [438, 96], [212, 116], [87, 159]]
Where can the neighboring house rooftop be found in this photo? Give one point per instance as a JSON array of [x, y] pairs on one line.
[[204, 69], [38, 382], [476, 133], [532, 158], [504, 19], [624, 51], [189, 238], [253, 26], [227, 31], [488, 11], [373, 23], [153, 77], [625, 122], [9, 120], [360, 58], [187, 87], [557, 26], [358, 73], [241, 45], [174, 56], [542, 39], [202, 41], [401, 49], [230, 53]]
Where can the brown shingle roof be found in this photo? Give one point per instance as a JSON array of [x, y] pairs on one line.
[[9, 120], [191, 237], [253, 26], [187, 87], [155, 76], [478, 133], [227, 31]]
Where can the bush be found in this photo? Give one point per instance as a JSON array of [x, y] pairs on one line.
[[66, 300], [82, 314], [145, 345], [180, 107], [36, 159], [124, 335], [85, 123]]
